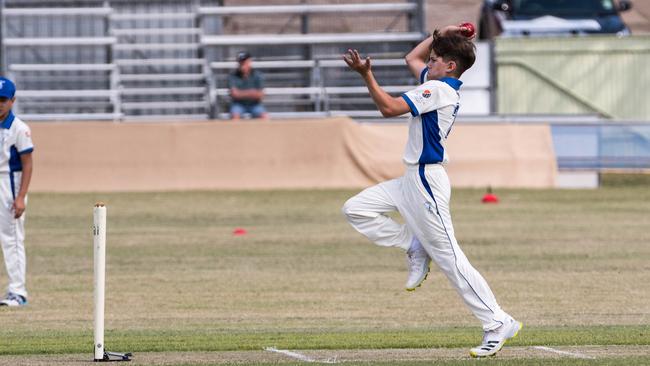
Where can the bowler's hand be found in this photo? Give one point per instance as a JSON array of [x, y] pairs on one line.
[[354, 61], [451, 29], [18, 207]]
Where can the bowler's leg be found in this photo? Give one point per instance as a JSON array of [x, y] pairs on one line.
[[366, 212], [436, 232], [441, 245]]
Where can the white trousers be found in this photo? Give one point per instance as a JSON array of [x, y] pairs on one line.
[[422, 197], [12, 234]]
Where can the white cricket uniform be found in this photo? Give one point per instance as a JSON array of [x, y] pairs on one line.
[[15, 140], [422, 197]]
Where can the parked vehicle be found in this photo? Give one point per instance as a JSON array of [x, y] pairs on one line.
[[520, 18]]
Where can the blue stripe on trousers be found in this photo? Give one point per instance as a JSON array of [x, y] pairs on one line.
[[428, 188], [12, 182]]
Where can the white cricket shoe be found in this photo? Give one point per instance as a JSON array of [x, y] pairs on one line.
[[493, 340], [13, 300], [419, 264]]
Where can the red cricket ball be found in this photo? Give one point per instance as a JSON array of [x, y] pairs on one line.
[[469, 31]]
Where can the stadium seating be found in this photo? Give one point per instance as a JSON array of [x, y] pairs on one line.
[[61, 72], [133, 60], [144, 59], [96, 99]]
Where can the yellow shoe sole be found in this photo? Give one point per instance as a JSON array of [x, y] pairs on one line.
[[421, 282], [474, 355]]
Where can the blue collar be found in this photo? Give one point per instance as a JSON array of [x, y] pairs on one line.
[[6, 124], [453, 82]]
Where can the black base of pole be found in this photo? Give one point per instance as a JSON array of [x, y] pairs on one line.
[[114, 356]]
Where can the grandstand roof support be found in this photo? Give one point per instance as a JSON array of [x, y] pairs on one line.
[[417, 19], [2, 45]]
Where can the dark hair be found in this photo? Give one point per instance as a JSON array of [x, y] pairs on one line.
[[454, 47], [241, 57]]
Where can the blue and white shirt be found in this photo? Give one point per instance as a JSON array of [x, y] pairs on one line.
[[434, 105], [15, 140]]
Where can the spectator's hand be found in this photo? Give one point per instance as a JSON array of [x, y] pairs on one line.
[[354, 61], [18, 207], [450, 29]]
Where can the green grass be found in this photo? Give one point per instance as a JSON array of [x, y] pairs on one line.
[[571, 264], [624, 180], [168, 340], [494, 361]]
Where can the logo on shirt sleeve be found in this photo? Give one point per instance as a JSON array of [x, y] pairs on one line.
[[426, 93]]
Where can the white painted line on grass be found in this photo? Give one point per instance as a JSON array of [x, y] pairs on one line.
[[572, 354], [299, 356]]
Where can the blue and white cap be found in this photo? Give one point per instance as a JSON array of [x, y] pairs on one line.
[[7, 88]]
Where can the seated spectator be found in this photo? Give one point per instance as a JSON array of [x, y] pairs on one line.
[[246, 89]]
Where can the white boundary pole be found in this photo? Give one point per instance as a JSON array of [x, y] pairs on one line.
[[99, 241]]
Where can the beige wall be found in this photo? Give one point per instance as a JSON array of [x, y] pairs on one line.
[[324, 153]]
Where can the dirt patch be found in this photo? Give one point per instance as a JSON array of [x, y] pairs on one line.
[[338, 356]]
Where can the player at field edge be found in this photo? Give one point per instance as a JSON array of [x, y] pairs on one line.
[[422, 195], [15, 174]]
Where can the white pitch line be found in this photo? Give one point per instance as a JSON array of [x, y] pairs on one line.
[[573, 354], [298, 356]]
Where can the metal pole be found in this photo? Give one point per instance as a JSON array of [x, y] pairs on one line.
[[99, 245], [2, 34], [417, 21], [494, 69], [304, 29]]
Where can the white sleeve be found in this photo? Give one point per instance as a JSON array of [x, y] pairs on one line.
[[425, 98], [24, 142]]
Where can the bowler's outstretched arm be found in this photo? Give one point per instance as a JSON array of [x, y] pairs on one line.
[[387, 105]]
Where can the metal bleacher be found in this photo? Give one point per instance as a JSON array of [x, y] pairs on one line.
[[131, 60], [110, 60], [302, 68], [61, 71], [326, 92], [162, 69]]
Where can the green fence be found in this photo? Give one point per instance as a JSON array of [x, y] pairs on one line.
[[608, 76]]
